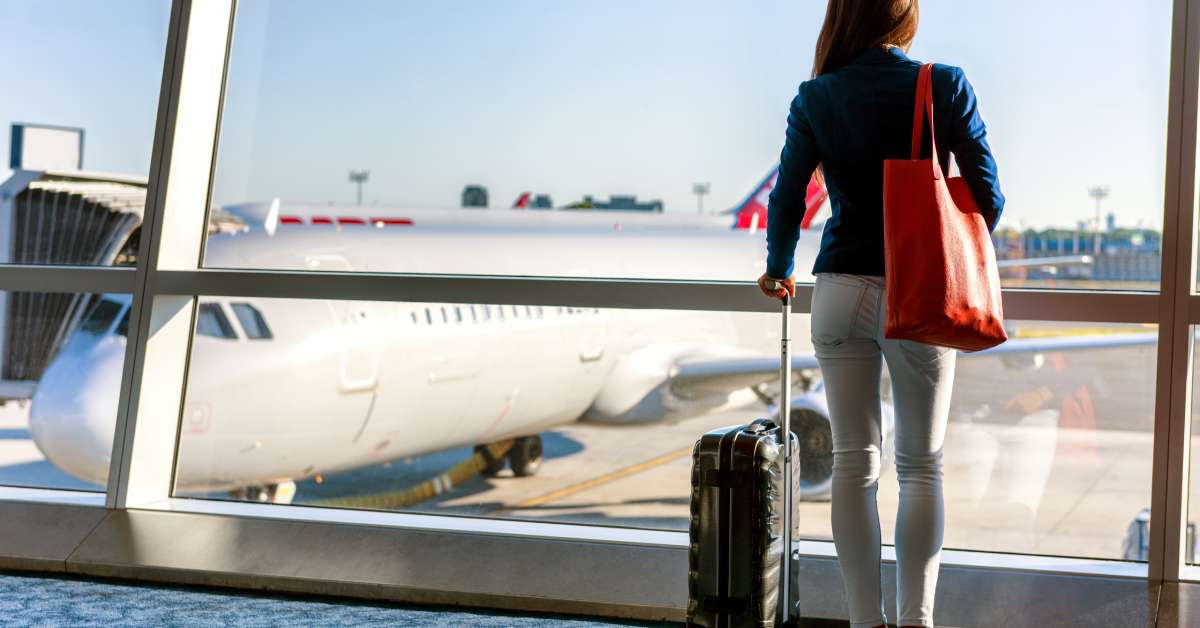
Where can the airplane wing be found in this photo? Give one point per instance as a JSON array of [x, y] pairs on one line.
[[1060, 260], [1068, 343], [697, 378], [691, 379]]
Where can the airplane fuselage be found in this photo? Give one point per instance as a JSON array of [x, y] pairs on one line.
[[284, 389]]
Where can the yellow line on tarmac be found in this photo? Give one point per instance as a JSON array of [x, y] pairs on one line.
[[605, 479]]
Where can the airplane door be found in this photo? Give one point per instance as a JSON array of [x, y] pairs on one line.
[[359, 370], [591, 346], [357, 333]]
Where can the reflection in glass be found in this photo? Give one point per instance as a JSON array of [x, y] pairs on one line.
[[60, 374]]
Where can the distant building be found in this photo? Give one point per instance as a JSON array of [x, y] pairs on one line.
[[475, 196], [620, 203], [1111, 223], [542, 201]]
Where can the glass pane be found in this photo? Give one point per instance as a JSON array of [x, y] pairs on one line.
[[616, 139], [60, 374], [78, 115], [1190, 540], [383, 405]]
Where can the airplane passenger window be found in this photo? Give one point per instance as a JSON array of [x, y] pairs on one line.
[[458, 317], [252, 321], [211, 321], [428, 316], [445, 318], [414, 316], [101, 317]]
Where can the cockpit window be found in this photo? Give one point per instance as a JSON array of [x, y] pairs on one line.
[[211, 321], [252, 321], [123, 326], [101, 317]]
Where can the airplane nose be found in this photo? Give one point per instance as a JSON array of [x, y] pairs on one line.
[[74, 410]]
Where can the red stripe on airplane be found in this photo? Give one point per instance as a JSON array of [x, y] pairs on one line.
[[291, 220], [392, 221], [350, 220], [322, 220]]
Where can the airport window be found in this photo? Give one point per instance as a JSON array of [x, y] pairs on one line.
[[252, 321], [59, 389], [61, 203], [1075, 406], [1094, 226], [1191, 541], [211, 321], [1050, 441]]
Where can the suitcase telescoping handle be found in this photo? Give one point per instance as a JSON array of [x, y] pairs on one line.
[[785, 437], [785, 416]]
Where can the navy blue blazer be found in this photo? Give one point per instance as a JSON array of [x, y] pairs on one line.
[[849, 121]]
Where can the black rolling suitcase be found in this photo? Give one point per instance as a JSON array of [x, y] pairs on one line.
[[743, 518]]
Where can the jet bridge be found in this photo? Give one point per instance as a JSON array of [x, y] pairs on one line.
[[69, 218]]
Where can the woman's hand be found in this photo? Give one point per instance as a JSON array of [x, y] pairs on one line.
[[777, 288]]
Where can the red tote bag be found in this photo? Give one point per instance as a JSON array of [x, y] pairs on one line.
[[943, 287]]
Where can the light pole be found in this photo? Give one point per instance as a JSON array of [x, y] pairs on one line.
[[360, 177], [1099, 192], [700, 189]]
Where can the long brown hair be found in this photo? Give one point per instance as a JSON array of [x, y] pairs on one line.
[[852, 26]]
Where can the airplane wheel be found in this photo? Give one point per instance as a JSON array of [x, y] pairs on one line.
[[494, 468], [525, 457], [281, 493]]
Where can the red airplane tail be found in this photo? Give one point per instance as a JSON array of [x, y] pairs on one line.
[[751, 214]]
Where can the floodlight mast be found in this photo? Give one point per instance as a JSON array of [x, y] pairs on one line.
[[359, 177], [1099, 192], [700, 189]]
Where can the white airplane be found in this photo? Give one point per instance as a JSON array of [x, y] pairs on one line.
[[281, 390]]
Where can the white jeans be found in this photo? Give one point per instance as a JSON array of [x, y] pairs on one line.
[[848, 314]]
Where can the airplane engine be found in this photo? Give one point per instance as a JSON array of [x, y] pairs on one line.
[[638, 389], [810, 424]]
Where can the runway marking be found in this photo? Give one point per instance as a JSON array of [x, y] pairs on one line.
[[605, 479]]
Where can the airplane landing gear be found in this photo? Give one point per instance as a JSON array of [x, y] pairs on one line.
[[280, 493], [494, 465], [525, 457]]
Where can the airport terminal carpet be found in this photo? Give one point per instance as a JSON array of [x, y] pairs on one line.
[[48, 601]]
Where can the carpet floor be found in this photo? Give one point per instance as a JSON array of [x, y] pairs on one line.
[[52, 601]]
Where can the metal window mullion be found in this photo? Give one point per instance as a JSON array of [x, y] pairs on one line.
[[160, 325], [1094, 307], [1172, 390], [66, 279]]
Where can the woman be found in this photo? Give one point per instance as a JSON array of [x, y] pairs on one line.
[[856, 112]]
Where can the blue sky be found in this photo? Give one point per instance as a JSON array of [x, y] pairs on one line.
[[583, 97]]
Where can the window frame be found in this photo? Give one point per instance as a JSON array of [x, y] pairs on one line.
[[169, 280]]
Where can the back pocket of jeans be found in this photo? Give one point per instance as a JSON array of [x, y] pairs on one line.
[[835, 310]]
